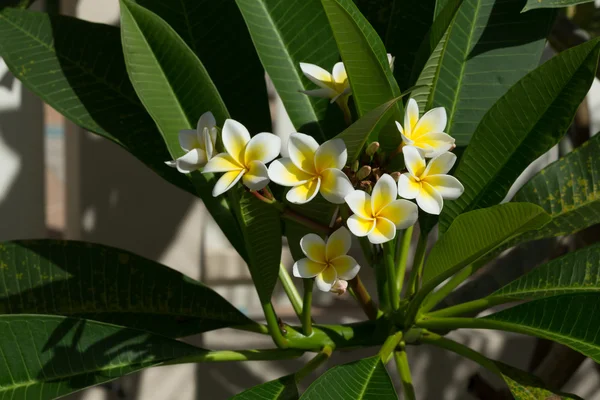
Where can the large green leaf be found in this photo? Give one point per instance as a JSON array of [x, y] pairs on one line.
[[489, 46], [280, 389], [56, 57], [261, 228], [106, 284], [577, 272], [474, 234], [526, 122], [359, 380], [45, 357], [286, 34], [208, 27], [175, 89], [567, 319], [525, 386], [533, 4]]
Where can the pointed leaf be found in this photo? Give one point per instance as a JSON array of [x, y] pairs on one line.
[[106, 284], [237, 72], [56, 57], [280, 389], [359, 380], [476, 233], [45, 357], [284, 35], [525, 386], [533, 4], [545, 102]]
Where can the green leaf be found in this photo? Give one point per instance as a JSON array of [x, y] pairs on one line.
[[261, 228], [577, 272], [45, 357], [474, 234], [56, 57], [208, 27], [533, 4], [566, 319], [280, 389], [489, 46], [106, 284], [359, 380], [545, 102], [284, 35]]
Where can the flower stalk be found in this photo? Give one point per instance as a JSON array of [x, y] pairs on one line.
[[306, 307], [290, 290], [401, 257], [362, 296], [314, 363], [405, 376]]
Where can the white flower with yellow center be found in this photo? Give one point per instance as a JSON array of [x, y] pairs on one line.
[[245, 158], [425, 133], [327, 262], [199, 145], [379, 215], [311, 169], [429, 183]]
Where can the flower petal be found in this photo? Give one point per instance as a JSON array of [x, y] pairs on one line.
[[191, 161], [408, 187], [384, 192], [360, 226], [304, 193], [447, 186], [257, 176], [235, 137], [441, 164], [335, 186], [326, 279], [285, 173], [384, 231], [402, 213], [313, 246], [263, 147], [302, 149], [208, 143], [391, 60], [434, 144], [226, 182], [346, 267], [188, 139], [339, 73], [411, 117], [306, 268], [317, 75], [360, 203], [338, 243], [414, 161], [331, 154], [399, 126], [221, 163], [206, 120], [429, 200], [326, 93], [432, 121]]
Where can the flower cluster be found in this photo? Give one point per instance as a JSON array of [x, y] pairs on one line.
[[370, 191]]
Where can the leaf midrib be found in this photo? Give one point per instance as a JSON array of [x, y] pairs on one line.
[[369, 376]]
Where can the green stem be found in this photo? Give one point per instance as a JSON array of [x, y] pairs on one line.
[[449, 324], [306, 307], [313, 364], [288, 214], [383, 289], [273, 325], [390, 270], [362, 296], [241, 355], [455, 347], [290, 290], [389, 346], [417, 267], [342, 102], [434, 298], [255, 327], [474, 306], [405, 376], [402, 257]]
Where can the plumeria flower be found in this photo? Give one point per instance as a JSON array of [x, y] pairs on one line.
[[311, 169], [426, 133], [245, 157], [199, 145], [379, 215], [327, 262], [429, 184]]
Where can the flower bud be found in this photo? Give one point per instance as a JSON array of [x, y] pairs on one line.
[[363, 172], [395, 175], [355, 166], [339, 287], [372, 149]]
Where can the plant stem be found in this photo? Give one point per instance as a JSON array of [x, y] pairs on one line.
[[389, 346], [314, 363], [342, 102], [273, 325], [390, 270], [455, 347], [360, 293], [434, 298], [290, 290], [306, 307], [241, 355], [405, 376], [473, 323], [402, 258], [302, 220], [255, 327], [417, 268], [474, 306]]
